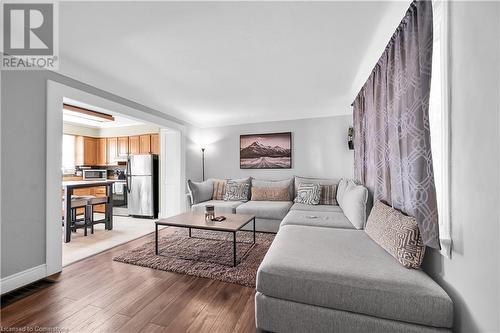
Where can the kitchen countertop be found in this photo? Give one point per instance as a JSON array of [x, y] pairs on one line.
[[87, 183]]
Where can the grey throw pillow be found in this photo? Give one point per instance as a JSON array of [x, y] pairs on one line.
[[308, 194], [353, 203], [201, 191], [236, 191]]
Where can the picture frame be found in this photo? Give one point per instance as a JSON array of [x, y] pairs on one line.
[[266, 151]]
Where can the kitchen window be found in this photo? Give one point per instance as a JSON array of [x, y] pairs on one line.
[[68, 154]]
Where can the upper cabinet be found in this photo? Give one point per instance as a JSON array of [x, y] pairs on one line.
[[155, 144], [112, 148], [145, 144], [108, 151], [85, 150], [123, 146], [133, 145], [101, 151]]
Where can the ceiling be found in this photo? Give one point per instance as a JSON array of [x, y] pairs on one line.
[[224, 63]]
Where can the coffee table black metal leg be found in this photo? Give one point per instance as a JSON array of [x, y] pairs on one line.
[[189, 232], [156, 239], [234, 249], [254, 230]]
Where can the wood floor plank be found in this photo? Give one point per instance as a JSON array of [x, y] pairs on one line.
[[143, 317], [179, 314], [112, 309], [98, 294], [110, 325]]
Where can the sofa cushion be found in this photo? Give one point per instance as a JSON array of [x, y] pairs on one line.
[[353, 204], [308, 194], [288, 183], [273, 210], [221, 207], [316, 208], [317, 219], [398, 234], [200, 191], [344, 269]]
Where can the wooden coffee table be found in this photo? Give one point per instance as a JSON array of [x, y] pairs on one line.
[[232, 224]]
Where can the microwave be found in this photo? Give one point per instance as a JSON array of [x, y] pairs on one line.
[[95, 174]]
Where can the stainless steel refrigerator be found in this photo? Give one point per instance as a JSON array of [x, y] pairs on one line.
[[142, 185]]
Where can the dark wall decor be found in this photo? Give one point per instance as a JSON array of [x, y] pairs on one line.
[[266, 151]]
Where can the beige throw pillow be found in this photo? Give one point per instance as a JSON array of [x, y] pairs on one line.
[[270, 193], [396, 233], [219, 189], [328, 195]]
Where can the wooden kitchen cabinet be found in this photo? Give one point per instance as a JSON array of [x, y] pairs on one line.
[[133, 145], [101, 151], [112, 149], [85, 150], [145, 144], [123, 146], [155, 144]]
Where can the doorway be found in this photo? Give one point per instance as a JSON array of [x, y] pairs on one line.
[[169, 138]]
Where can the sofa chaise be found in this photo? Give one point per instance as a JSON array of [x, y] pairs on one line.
[[323, 273]]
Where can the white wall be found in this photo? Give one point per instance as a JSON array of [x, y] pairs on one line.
[[80, 130], [319, 149], [129, 130], [472, 277]]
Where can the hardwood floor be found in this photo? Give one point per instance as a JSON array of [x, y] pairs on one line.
[[100, 295]]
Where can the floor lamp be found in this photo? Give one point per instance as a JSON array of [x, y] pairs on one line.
[[203, 163]]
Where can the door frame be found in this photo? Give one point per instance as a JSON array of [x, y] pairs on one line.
[[56, 92]]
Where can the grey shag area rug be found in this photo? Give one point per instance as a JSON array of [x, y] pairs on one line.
[[206, 254]]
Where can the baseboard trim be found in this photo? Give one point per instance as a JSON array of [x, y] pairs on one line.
[[23, 278]]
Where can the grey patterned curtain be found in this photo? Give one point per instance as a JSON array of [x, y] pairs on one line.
[[392, 145]]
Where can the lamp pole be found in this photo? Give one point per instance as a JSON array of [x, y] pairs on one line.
[[203, 163]]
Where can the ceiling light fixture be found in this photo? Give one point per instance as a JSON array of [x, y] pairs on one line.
[[76, 111]]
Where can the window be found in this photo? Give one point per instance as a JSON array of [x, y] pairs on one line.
[[68, 154], [439, 122]]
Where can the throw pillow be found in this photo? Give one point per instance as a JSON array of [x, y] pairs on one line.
[[341, 187], [270, 193], [219, 189], [275, 184], [200, 191], [236, 191], [328, 195], [396, 233], [308, 194], [353, 203]]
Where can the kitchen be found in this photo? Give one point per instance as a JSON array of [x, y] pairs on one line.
[[110, 166]]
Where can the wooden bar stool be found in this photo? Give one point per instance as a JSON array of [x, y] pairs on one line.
[[77, 223], [94, 202]]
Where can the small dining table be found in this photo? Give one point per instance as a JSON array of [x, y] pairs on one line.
[[70, 186]]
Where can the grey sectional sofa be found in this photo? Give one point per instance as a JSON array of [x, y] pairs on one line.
[[323, 273]]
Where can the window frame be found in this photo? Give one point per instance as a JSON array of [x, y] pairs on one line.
[[445, 216]]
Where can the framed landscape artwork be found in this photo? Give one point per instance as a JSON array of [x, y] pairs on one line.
[[266, 151]]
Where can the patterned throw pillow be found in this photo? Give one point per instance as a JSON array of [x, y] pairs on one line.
[[236, 191], [308, 194], [270, 193], [396, 233], [328, 195], [219, 189]]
